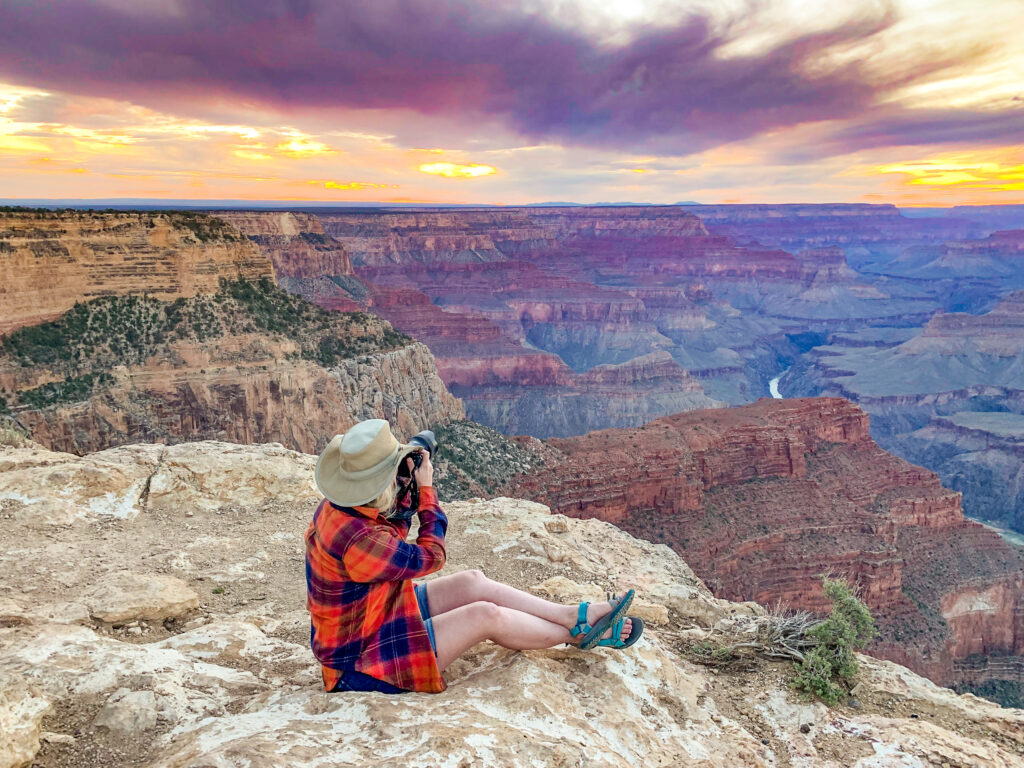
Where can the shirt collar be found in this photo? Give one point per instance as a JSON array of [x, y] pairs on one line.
[[370, 512]]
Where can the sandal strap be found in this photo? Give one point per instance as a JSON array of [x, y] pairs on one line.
[[615, 641], [582, 627]]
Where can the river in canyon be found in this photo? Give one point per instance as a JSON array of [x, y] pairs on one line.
[[773, 385]]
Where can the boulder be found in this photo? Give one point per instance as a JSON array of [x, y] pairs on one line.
[[124, 596]]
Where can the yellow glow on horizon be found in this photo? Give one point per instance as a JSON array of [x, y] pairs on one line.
[[982, 171], [303, 148], [9, 143], [350, 185], [457, 171], [247, 155]]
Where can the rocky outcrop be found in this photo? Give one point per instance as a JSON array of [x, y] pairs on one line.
[[977, 453], [247, 390], [52, 259], [250, 363], [234, 682], [762, 499], [294, 242]]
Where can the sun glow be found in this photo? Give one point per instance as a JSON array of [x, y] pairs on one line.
[[964, 170], [303, 148], [456, 171]]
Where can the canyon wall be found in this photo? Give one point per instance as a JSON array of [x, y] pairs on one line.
[[762, 499], [505, 296], [916, 386], [52, 259], [129, 327], [247, 389], [306, 261]]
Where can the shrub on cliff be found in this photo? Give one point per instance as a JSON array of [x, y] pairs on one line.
[[828, 667]]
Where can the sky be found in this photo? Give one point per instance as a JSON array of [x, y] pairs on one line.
[[911, 102]]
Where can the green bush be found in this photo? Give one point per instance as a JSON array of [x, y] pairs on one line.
[[828, 668]]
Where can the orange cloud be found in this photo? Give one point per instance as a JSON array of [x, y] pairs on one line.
[[1000, 171], [457, 171], [351, 184]]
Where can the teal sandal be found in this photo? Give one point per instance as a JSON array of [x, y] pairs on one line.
[[616, 641], [592, 634]]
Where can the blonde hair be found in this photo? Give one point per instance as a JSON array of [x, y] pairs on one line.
[[385, 501]]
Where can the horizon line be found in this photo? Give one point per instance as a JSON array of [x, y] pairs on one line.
[[152, 202]]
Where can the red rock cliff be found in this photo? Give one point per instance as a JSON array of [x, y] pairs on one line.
[[762, 499]]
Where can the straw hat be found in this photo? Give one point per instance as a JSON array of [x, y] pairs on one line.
[[357, 466]]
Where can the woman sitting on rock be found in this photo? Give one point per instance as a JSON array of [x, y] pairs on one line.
[[373, 629]]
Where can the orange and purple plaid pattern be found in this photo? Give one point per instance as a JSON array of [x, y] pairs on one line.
[[363, 608]]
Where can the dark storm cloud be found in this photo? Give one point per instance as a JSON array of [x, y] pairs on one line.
[[665, 90]]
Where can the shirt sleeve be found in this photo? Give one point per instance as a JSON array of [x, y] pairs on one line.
[[380, 555]]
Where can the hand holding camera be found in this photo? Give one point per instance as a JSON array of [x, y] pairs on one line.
[[424, 473], [414, 473]]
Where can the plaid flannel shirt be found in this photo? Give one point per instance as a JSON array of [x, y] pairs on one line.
[[360, 595]]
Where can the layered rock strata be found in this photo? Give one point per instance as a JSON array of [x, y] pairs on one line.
[[52, 259], [957, 364], [247, 364], [233, 682], [599, 286], [306, 261], [262, 397], [762, 499]]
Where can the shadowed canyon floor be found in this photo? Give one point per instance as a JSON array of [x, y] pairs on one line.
[[152, 615]]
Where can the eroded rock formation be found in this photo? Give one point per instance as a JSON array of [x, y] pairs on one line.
[[49, 260], [250, 363], [233, 682], [261, 397], [958, 366], [306, 261], [762, 499]]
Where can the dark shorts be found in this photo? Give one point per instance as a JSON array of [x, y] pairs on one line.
[[358, 681]]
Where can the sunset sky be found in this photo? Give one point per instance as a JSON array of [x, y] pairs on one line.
[[913, 102]]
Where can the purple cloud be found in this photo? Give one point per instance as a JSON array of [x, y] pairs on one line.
[[666, 90]]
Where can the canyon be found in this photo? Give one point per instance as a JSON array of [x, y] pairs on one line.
[[519, 305], [949, 396], [558, 322], [762, 499], [129, 327]]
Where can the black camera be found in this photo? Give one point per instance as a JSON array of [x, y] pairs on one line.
[[407, 487]]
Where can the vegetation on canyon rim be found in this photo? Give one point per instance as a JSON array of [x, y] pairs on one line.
[[823, 650], [477, 459], [831, 664], [95, 336]]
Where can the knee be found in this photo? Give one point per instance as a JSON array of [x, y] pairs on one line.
[[487, 614], [473, 582]]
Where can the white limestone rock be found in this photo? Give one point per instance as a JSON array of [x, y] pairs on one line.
[[124, 595], [22, 707]]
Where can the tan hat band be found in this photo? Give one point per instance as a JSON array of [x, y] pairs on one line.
[[359, 474]]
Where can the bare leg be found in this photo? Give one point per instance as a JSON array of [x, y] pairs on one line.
[[459, 629], [447, 593], [468, 608]]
